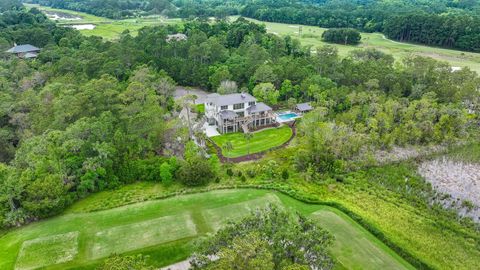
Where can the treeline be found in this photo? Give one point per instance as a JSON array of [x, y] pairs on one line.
[[342, 36], [114, 9], [87, 115], [459, 31]]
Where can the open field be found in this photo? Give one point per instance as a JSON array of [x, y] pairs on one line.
[[164, 228], [261, 141], [105, 27], [311, 35]]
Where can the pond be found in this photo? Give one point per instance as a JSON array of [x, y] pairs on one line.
[[83, 26]]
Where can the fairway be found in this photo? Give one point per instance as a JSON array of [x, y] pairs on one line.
[[354, 247], [158, 227], [142, 234], [311, 36], [261, 141]]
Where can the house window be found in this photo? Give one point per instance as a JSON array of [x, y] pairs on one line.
[[224, 107], [251, 103], [240, 114], [238, 106]]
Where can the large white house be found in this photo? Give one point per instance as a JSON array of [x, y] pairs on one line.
[[237, 112]]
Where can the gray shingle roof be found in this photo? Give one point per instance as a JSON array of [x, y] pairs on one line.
[[23, 49], [304, 107], [229, 115], [232, 99], [259, 107]]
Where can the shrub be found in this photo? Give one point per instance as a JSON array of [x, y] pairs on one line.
[[229, 172], [285, 174]]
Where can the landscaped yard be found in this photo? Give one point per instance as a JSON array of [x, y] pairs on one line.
[[260, 141], [165, 229]]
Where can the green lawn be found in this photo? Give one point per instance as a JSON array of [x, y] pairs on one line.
[[261, 141], [311, 35], [165, 230]]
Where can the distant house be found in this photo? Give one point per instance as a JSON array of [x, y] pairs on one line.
[[237, 112], [176, 37], [303, 107], [25, 51]]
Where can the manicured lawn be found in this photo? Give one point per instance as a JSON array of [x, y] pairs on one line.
[[261, 141], [165, 230]]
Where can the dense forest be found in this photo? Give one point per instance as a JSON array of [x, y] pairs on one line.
[[446, 23], [87, 115]]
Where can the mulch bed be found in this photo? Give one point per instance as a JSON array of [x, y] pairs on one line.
[[255, 156]]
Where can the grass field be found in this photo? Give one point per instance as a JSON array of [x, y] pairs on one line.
[[261, 141], [107, 28], [165, 229], [311, 35]]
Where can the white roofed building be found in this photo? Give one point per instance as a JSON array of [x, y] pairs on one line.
[[237, 112]]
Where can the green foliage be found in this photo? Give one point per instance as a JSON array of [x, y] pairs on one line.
[[345, 36], [116, 262], [195, 169], [267, 93], [166, 173], [270, 238]]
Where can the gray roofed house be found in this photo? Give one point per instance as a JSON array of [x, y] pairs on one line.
[[25, 51], [259, 107], [303, 107], [235, 112], [223, 100], [176, 37]]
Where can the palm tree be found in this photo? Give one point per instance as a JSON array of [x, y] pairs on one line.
[[186, 103], [248, 136], [201, 137], [227, 147]]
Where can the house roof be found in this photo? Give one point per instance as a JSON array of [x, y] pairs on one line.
[[177, 37], [23, 49], [227, 114], [304, 107], [30, 55], [222, 100], [259, 107]]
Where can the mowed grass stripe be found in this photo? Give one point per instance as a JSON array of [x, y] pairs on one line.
[[218, 217], [45, 251], [143, 234], [356, 248], [261, 141]]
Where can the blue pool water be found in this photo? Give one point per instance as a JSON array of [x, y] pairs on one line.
[[287, 116]]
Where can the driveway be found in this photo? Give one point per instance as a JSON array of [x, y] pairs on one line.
[[181, 91], [211, 131]]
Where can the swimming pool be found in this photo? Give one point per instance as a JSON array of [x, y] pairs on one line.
[[287, 116]]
